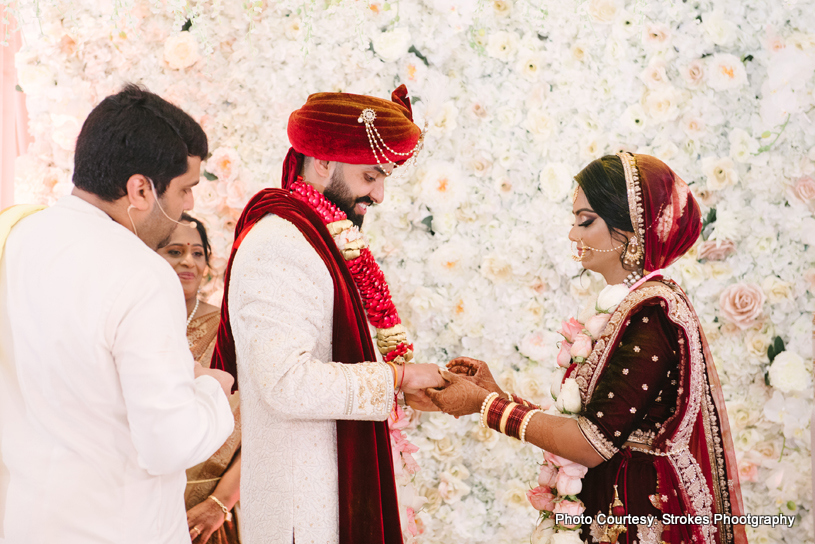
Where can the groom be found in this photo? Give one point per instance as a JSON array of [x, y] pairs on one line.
[[301, 292]]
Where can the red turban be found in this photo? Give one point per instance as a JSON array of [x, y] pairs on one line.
[[332, 127]]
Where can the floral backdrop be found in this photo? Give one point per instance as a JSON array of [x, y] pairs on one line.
[[518, 96]]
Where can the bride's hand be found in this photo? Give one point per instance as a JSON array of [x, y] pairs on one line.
[[478, 372], [459, 396]]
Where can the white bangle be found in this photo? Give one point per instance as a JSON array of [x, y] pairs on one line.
[[485, 406], [525, 424]]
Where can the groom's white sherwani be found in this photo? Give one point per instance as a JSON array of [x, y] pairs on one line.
[[281, 300], [100, 411]]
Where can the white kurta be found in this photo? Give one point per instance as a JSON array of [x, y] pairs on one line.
[[101, 411], [281, 304]]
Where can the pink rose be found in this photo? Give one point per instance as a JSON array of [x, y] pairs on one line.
[[748, 472], [716, 250], [555, 460], [564, 356], [541, 498], [548, 475], [581, 347], [569, 329], [569, 507], [574, 470], [568, 485], [805, 189], [742, 304], [597, 324]]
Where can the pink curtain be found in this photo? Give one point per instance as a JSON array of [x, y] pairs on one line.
[[14, 137]]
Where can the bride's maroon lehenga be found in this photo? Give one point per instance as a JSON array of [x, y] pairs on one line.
[[651, 381]]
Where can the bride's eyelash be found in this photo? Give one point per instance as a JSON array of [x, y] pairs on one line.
[[586, 223]]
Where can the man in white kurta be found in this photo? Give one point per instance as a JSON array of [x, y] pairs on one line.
[[101, 410], [281, 305]]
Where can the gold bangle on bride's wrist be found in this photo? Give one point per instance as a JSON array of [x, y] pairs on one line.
[[227, 513]]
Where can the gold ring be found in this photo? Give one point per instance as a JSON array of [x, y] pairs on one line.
[[196, 529]]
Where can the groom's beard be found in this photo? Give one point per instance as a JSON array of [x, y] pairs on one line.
[[339, 193]]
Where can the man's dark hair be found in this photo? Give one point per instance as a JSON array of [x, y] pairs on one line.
[[134, 132], [603, 183]]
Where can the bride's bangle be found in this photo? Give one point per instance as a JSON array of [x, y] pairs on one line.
[[485, 406]]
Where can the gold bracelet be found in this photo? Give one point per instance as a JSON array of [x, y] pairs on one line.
[[524, 424], [505, 416], [227, 513], [485, 406]]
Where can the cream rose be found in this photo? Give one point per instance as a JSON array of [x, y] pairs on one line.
[[556, 181], [181, 51], [788, 373], [726, 72], [610, 297], [569, 399], [776, 289], [720, 172], [742, 304], [694, 73], [603, 11]]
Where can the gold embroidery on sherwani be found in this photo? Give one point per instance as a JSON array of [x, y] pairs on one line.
[[587, 375]]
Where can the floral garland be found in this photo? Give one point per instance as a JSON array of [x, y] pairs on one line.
[[391, 338], [560, 480]]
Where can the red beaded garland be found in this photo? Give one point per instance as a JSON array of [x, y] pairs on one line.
[[368, 277]]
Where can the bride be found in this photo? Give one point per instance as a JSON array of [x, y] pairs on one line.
[[650, 425]]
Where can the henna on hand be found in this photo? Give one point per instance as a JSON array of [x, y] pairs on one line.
[[478, 370], [459, 398]]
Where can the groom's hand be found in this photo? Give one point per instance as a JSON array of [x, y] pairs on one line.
[[477, 371], [419, 377]]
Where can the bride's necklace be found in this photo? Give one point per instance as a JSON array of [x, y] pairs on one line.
[[391, 336]]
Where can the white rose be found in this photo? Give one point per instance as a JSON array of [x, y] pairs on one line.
[[603, 11], [634, 117], [496, 269], [776, 289], [530, 66], [742, 145], [718, 29], [207, 198], [569, 399], [556, 181], [65, 130], [502, 45], [610, 297], [789, 373], [557, 380], [662, 104], [720, 172], [544, 532], [392, 45], [725, 72], [566, 537], [35, 79], [451, 488], [535, 346], [441, 187], [539, 123], [181, 51]]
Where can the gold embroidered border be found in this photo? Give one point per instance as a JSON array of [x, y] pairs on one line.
[[603, 447]]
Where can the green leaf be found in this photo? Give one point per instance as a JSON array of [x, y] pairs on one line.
[[18, 88], [775, 348], [418, 54], [187, 26], [766, 134], [209, 176], [428, 222], [767, 378]]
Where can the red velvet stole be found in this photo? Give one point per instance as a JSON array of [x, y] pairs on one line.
[[369, 511]]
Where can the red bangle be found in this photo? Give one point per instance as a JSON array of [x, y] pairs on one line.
[[512, 420]]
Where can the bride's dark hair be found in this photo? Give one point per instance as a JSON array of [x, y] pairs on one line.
[[603, 183]]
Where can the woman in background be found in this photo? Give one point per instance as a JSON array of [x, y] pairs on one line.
[[213, 487]]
